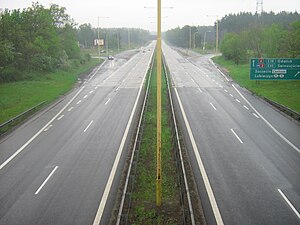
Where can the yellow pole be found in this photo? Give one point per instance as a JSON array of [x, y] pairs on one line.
[[158, 141]]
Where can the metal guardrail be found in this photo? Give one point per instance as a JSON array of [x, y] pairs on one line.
[[295, 115], [10, 123]]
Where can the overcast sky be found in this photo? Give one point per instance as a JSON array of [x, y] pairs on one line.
[[131, 13]]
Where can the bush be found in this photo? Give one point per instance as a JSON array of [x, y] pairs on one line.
[[10, 74]]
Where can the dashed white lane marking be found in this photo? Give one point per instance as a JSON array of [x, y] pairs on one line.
[[70, 109], [200, 90], [107, 101], [91, 92], [225, 90], [96, 87], [289, 203], [267, 122], [60, 117], [237, 100], [78, 102], [88, 126], [85, 96], [45, 181], [212, 105], [255, 115], [231, 95], [47, 128], [245, 107], [118, 88], [240, 140], [39, 132]]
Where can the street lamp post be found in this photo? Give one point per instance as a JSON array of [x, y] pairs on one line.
[[194, 38], [217, 32], [204, 39], [105, 17]]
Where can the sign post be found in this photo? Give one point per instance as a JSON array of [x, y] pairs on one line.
[[275, 69]]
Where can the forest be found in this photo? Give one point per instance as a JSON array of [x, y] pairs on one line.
[[245, 35], [48, 39]]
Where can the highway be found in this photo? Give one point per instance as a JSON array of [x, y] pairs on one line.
[[244, 154], [63, 166]]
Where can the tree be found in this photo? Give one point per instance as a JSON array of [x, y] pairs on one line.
[[233, 47], [85, 35]]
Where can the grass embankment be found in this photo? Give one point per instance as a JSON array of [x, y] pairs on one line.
[[283, 92], [17, 97], [144, 210]]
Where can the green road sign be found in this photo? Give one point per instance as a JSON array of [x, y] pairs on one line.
[[275, 69]]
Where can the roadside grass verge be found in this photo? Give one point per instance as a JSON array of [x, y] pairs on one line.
[[17, 97], [144, 210], [283, 92]]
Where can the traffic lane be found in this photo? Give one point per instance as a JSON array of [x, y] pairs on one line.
[[20, 173], [24, 132], [281, 122], [222, 152], [276, 157], [81, 164]]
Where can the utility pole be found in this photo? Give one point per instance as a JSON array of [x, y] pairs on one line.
[[217, 32], [158, 138], [128, 35], [98, 41]]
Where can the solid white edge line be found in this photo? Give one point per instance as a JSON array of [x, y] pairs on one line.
[[39, 132], [240, 140], [45, 181], [208, 187], [97, 70], [113, 171], [212, 106], [267, 122], [88, 126], [289, 203]]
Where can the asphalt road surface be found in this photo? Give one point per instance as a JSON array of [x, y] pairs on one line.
[[245, 154], [63, 166]]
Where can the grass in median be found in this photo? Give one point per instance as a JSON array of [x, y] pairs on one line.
[[283, 92], [17, 97], [144, 209]]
